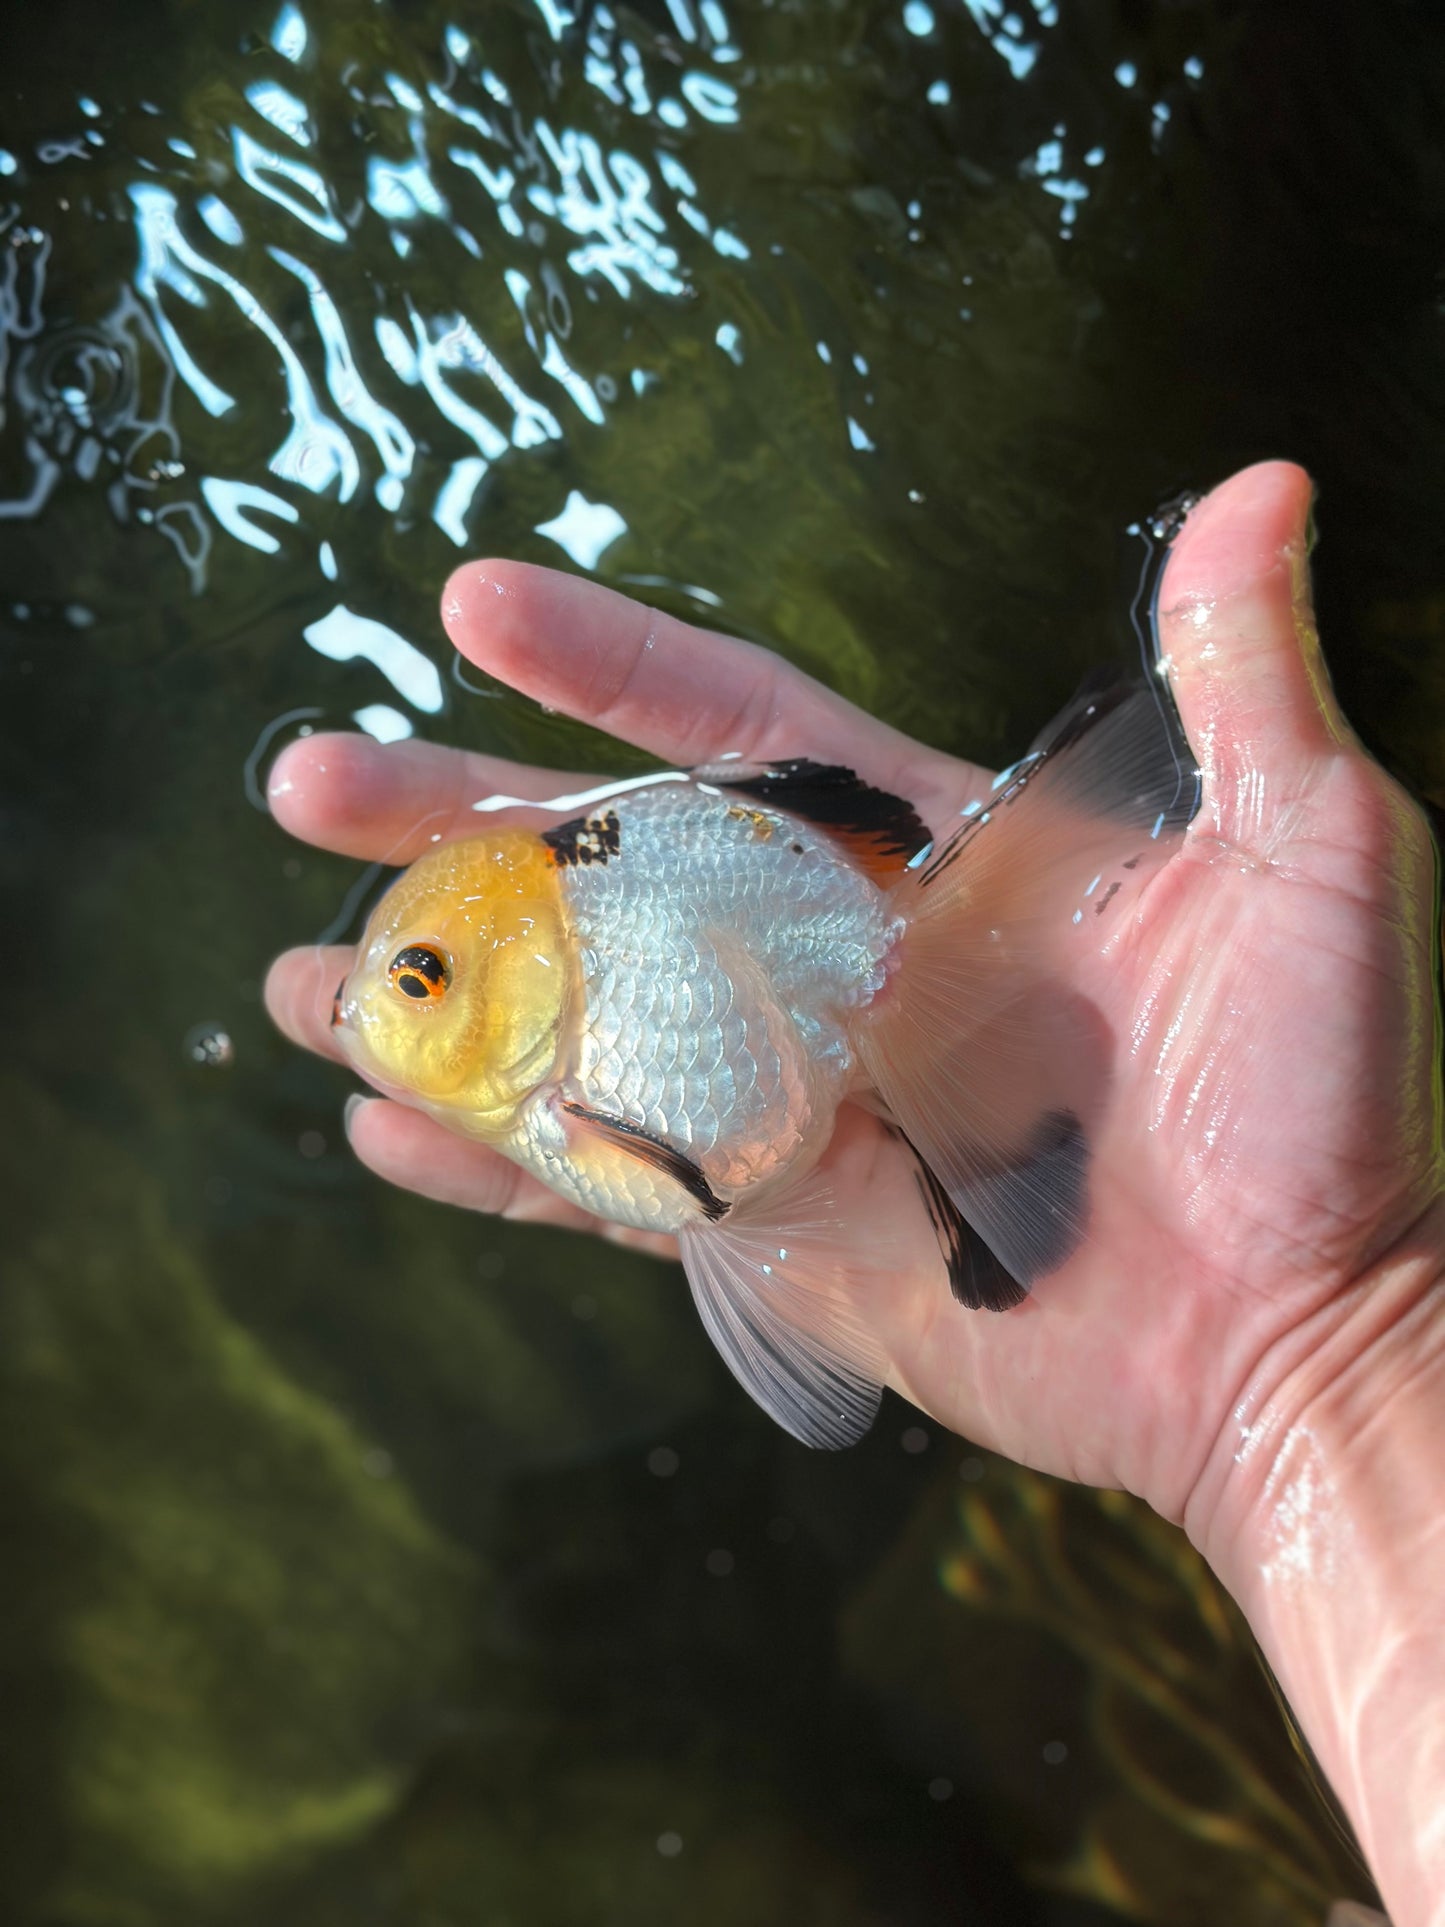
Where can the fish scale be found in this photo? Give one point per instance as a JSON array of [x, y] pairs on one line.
[[719, 950]]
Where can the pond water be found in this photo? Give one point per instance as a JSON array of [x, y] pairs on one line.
[[366, 1562]]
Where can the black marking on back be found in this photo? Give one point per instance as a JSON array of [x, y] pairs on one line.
[[586, 839], [656, 1154], [836, 798], [975, 1277]]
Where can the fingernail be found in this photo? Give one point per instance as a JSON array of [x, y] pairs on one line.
[[354, 1103]]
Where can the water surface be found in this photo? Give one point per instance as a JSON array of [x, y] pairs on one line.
[[369, 1562]]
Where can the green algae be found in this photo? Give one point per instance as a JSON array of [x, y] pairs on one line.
[[232, 1556]]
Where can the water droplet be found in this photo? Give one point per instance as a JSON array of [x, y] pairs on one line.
[[1167, 520], [720, 1563], [77, 380], [662, 1461], [940, 1789], [669, 1845]]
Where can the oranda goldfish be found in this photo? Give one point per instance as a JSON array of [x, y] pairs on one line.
[[658, 1006]]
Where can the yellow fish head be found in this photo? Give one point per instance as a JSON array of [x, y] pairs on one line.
[[461, 984]]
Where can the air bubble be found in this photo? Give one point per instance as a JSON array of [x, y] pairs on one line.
[[210, 1047]]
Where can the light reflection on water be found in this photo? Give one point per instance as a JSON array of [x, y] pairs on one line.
[[464, 167], [558, 221], [616, 211]]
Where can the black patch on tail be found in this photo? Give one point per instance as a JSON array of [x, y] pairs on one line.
[[975, 1277], [586, 839], [656, 1154], [1054, 1163], [836, 799]]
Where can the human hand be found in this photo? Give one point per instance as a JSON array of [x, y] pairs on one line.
[[1271, 1128]]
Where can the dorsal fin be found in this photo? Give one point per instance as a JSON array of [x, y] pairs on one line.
[[882, 832]]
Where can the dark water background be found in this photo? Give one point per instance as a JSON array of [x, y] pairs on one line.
[[368, 1563]]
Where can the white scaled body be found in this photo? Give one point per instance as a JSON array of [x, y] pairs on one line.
[[722, 951]]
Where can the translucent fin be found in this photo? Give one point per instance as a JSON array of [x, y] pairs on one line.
[[773, 1294], [990, 1062]]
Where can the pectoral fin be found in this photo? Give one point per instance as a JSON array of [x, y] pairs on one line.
[[779, 1300], [615, 1143]]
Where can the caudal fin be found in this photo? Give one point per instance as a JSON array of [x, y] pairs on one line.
[[990, 1061]]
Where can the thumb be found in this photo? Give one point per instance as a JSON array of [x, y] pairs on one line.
[[1237, 630]]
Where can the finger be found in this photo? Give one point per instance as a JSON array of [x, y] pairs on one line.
[[413, 1151], [389, 802], [1237, 627], [300, 988], [409, 1149], [687, 695]]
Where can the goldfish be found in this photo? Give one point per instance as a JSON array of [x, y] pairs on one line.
[[658, 1007]]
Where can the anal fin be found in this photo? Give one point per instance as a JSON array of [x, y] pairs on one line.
[[777, 1295]]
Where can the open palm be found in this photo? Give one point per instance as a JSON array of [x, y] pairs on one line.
[[1271, 1127]]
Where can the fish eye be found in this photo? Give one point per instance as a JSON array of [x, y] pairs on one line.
[[420, 972]]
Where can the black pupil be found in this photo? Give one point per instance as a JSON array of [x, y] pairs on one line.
[[418, 970]]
